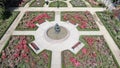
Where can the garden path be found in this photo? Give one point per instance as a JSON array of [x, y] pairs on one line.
[[68, 3], [56, 63], [59, 9], [57, 16]]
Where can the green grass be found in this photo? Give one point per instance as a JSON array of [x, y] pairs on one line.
[[58, 4], [26, 29], [35, 55], [5, 24], [26, 65], [79, 29], [82, 4], [23, 65], [34, 3]]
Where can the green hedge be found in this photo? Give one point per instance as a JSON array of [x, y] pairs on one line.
[[73, 3], [7, 23], [87, 29], [34, 3], [58, 4]]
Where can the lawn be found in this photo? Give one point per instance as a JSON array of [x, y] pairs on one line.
[[58, 4], [78, 3]]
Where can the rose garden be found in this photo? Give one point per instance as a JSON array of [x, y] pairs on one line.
[[85, 44]]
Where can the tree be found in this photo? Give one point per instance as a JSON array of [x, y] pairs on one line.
[[2, 9], [4, 12]]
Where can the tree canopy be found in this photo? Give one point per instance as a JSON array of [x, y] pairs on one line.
[[4, 5], [2, 8]]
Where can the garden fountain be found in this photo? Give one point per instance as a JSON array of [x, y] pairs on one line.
[[56, 33]]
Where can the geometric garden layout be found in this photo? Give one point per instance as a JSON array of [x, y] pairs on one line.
[[89, 37]]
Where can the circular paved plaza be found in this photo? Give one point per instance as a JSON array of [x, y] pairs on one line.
[[66, 41], [53, 35]]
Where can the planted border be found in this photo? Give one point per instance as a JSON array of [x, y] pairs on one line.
[[4, 26], [80, 56], [109, 27]]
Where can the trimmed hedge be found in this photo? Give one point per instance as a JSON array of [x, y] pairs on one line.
[[5, 24], [58, 4]]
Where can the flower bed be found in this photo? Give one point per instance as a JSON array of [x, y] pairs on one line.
[[96, 3], [29, 20], [77, 3], [95, 54], [58, 4], [38, 3], [5, 24], [84, 20], [17, 54], [112, 24]]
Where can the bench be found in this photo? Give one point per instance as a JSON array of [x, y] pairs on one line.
[[76, 45], [34, 46]]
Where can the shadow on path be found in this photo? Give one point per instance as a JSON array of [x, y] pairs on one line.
[[10, 3]]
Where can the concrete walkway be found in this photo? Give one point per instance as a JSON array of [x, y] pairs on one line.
[[57, 16], [24, 33], [90, 33], [56, 59], [59, 9], [69, 4]]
